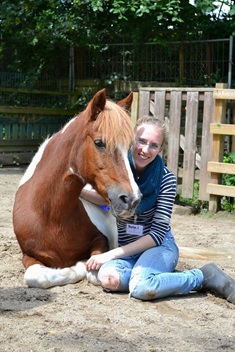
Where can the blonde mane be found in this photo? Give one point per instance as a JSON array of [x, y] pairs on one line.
[[115, 126]]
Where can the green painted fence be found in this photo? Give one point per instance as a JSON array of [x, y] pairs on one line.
[[29, 116], [22, 130]]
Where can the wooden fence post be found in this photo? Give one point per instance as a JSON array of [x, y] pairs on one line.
[[219, 130], [206, 150], [134, 107], [174, 132], [191, 121], [217, 145], [144, 103]]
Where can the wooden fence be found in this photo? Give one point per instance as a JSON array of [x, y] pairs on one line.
[[190, 112], [195, 146], [28, 116], [21, 135], [23, 128]]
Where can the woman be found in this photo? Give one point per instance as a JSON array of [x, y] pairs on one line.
[[147, 255]]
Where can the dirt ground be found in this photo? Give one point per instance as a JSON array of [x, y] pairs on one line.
[[83, 318]]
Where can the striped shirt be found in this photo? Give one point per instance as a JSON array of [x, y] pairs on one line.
[[156, 221]]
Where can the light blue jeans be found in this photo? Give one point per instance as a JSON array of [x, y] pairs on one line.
[[150, 275]]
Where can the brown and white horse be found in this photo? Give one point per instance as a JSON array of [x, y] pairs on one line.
[[56, 230]]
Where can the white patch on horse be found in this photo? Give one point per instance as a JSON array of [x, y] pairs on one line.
[[32, 166], [67, 124], [102, 219], [134, 185], [41, 276]]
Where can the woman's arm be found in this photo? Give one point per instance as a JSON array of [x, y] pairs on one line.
[[163, 211], [141, 245], [92, 196]]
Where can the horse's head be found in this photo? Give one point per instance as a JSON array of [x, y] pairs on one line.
[[102, 157]]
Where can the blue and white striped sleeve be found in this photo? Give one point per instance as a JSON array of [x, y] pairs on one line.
[[163, 209]]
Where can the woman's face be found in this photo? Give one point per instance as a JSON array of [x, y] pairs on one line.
[[147, 145]]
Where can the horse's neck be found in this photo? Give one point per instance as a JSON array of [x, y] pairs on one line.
[[62, 188], [72, 183], [64, 183], [66, 195], [62, 154]]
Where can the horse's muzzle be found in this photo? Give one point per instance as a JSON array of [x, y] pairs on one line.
[[123, 204]]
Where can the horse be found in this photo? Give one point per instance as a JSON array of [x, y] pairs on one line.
[[56, 230]]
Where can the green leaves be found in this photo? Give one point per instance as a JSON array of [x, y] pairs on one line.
[[36, 29], [97, 5]]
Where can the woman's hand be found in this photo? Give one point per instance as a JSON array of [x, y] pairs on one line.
[[139, 246], [95, 261], [92, 196]]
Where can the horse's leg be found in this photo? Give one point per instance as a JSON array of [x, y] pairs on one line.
[[40, 276], [100, 245], [28, 261]]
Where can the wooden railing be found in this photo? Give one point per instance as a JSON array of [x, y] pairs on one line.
[[219, 129]]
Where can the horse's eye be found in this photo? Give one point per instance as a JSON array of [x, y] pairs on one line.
[[99, 144]]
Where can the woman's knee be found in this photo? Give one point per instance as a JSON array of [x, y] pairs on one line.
[[140, 289], [109, 278]]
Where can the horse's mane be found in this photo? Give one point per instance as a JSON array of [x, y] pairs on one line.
[[115, 126]]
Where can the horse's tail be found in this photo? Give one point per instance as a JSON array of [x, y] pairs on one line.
[[201, 253]]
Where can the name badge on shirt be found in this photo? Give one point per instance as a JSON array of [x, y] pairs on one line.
[[133, 229]]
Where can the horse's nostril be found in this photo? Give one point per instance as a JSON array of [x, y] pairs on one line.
[[132, 203], [124, 199], [135, 203]]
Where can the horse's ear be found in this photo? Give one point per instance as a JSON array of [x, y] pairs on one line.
[[97, 103], [126, 102]]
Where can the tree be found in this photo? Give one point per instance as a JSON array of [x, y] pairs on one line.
[[34, 33]]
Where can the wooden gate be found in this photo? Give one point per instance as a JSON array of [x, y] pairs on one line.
[[190, 112]]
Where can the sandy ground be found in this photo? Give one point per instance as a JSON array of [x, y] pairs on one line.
[[82, 317]]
